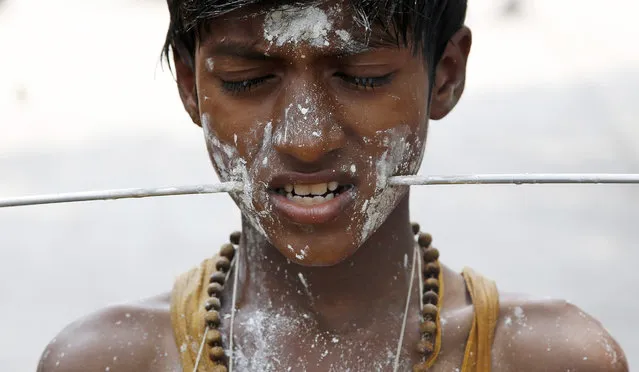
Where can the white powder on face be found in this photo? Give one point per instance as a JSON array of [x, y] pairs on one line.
[[210, 65], [296, 24], [232, 167], [344, 36], [301, 121], [400, 156], [302, 255]]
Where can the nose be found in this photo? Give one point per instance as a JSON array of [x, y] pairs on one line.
[[307, 130]]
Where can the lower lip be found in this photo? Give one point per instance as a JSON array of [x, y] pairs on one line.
[[312, 214]]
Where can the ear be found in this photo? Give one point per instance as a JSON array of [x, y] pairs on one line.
[[450, 75], [187, 88]]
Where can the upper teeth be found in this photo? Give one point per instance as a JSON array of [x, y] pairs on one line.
[[312, 190]]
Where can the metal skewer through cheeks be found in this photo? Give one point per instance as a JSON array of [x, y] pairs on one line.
[[230, 187]]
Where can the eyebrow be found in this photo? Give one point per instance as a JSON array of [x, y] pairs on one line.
[[246, 50], [250, 50]]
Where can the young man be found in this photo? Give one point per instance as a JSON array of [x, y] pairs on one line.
[[312, 106]]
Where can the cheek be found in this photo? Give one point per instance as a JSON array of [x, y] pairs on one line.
[[398, 151], [233, 165], [387, 112], [234, 123], [225, 157]]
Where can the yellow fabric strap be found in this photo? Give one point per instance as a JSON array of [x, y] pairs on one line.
[[190, 293], [187, 315], [485, 298]]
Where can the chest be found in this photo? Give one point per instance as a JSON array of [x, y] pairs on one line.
[[275, 342]]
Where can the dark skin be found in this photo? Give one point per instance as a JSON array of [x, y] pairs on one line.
[[350, 285]]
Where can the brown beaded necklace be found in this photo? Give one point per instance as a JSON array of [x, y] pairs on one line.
[[431, 290]]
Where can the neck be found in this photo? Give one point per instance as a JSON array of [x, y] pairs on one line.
[[364, 290]]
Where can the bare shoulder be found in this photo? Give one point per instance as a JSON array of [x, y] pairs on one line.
[[135, 337], [552, 335]]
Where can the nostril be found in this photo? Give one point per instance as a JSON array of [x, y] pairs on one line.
[[307, 145]]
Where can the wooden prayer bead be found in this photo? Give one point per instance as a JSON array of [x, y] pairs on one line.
[[415, 227], [431, 284], [228, 251], [214, 289], [428, 327], [216, 353], [431, 255], [431, 297], [431, 269], [213, 303], [214, 338], [212, 319], [425, 347], [235, 237], [424, 240], [223, 264], [429, 311], [218, 277]]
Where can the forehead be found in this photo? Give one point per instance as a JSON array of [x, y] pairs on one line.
[[329, 26]]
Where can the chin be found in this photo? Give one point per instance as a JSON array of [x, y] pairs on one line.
[[317, 248]]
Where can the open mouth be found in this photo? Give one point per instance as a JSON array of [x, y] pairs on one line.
[[305, 194], [311, 203]]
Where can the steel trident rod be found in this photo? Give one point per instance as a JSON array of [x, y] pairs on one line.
[[120, 194], [475, 179]]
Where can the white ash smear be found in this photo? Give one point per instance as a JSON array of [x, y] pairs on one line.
[[395, 159], [303, 280], [303, 110], [294, 24], [210, 64], [521, 319], [344, 36], [610, 351], [299, 123], [301, 255], [508, 321], [232, 167], [261, 349]]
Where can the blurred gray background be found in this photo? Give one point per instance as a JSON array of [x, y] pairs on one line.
[[84, 105]]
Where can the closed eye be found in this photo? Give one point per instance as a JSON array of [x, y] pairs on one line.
[[241, 86], [362, 82]]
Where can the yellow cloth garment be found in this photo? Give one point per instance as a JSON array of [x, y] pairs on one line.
[[485, 298], [190, 293], [187, 315]]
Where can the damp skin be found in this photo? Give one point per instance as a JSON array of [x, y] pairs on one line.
[[312, 114], [292, 315]]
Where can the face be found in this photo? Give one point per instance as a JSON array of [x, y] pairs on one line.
[[313, 119]]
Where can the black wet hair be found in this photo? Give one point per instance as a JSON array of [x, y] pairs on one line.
[[426, 25]]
